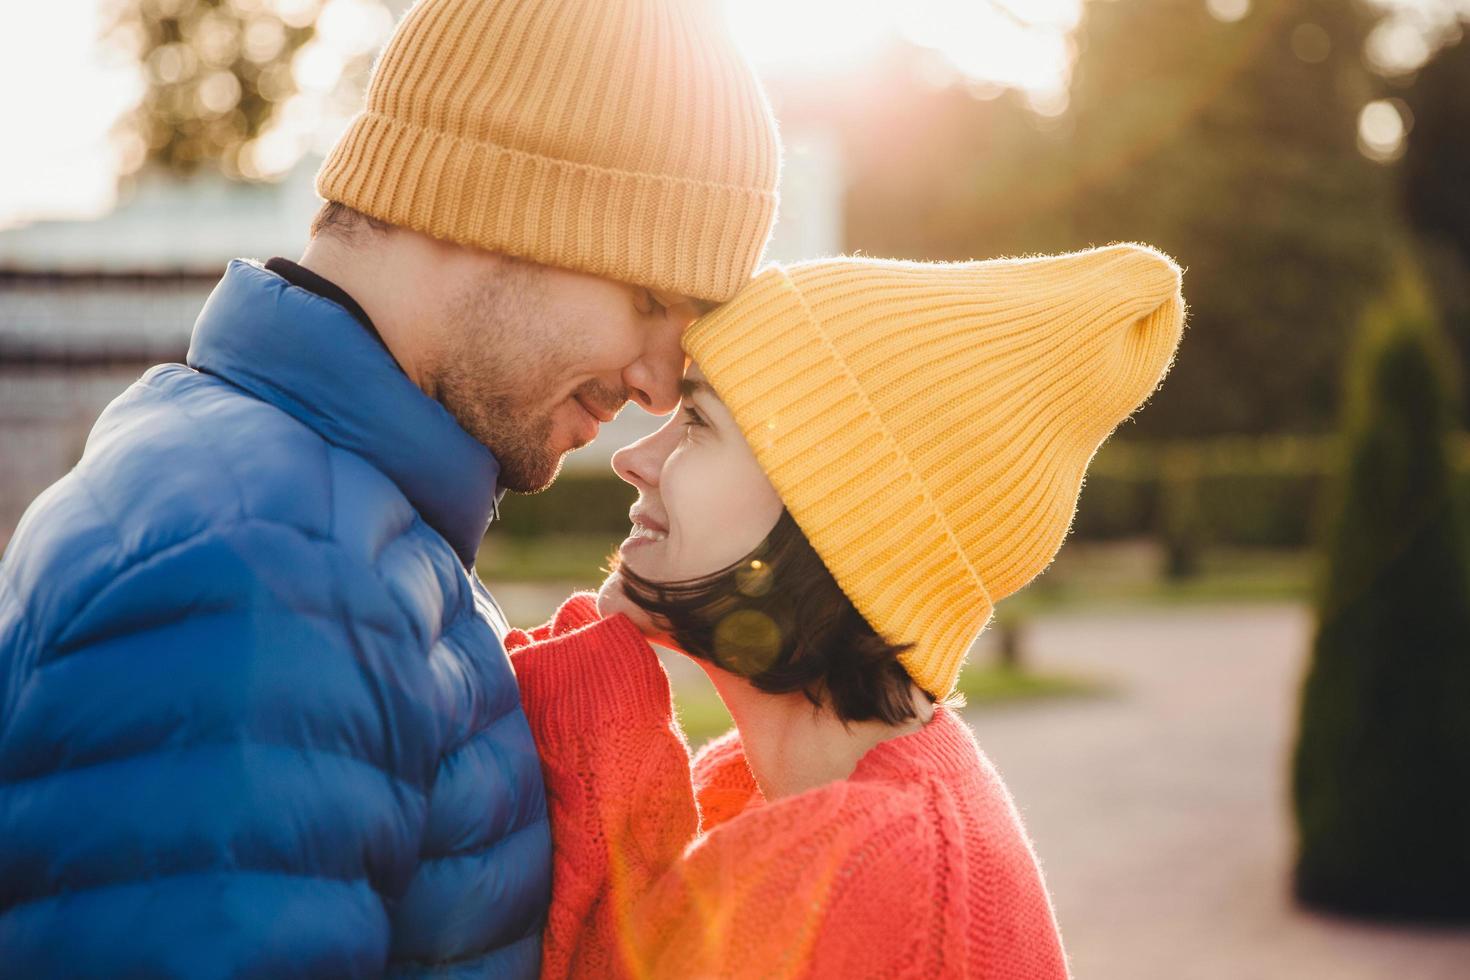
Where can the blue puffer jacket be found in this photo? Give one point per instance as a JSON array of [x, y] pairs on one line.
[[255, 715]]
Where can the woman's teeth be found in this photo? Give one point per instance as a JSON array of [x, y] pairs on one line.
[[639, 531]]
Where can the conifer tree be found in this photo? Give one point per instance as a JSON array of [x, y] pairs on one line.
[[1382, 799]]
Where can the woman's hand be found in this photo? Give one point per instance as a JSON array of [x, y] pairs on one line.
[[582, 672], [611, 599], [576, 611]]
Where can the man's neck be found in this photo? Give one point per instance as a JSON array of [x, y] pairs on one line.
[[367, 276], [299, 275], [791, 746]]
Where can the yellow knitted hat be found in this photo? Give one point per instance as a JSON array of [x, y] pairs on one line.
[[623, 138], [928, 425]]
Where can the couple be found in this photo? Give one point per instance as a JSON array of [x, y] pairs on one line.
[[257, 716], [868, 454]]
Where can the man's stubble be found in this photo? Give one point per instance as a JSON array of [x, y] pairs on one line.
[[502, 357]]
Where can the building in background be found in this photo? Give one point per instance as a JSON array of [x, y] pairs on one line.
[[87, 306]]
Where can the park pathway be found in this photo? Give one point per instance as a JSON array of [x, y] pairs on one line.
[[1160, 812]]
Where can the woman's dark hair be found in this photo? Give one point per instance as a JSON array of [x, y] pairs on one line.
[[778, 618]]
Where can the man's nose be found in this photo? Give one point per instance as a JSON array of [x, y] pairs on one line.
[[653, 380]]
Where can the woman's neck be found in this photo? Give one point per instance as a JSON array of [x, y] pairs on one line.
[[791, 746]]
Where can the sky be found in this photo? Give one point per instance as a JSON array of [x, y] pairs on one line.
[[61, 89], [57, 101]]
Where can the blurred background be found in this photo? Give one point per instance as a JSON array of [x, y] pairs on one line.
[[1235, 712]]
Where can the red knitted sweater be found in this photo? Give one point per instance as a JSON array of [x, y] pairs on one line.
[[914, 866]]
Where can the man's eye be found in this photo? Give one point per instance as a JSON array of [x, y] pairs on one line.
[[652, 306]]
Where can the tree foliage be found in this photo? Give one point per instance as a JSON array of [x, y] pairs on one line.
[[215, 73], [243, 86], [1437, 158], [1232, 146], [1380, 803], [1436, 189]]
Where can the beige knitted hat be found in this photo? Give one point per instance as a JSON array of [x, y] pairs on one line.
[[623, 138], [928, 425]]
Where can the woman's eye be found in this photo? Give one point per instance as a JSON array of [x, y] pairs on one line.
[[691, 417]]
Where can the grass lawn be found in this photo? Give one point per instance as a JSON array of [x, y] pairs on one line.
[[703, 716], [1090, 574]]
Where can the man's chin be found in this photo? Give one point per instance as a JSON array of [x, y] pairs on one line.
[[530, 479]]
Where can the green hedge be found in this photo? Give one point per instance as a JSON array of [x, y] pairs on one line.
[[578, 504], [1246, 492]]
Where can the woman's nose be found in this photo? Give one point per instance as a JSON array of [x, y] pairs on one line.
[[639, 462]]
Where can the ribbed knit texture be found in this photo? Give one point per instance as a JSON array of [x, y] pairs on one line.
[[929, 425], [622, 138], [915, 866]]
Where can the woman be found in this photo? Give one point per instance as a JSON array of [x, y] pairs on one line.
[[868, 455]]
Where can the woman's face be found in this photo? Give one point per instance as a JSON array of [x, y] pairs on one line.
[[703, 501]]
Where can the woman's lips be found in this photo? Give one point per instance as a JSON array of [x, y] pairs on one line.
[[637, 516], [642, 534]]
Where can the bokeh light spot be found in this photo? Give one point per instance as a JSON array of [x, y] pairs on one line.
[[297, 13], [1228, 11], [1397, 46], [317, 66], [219, 92], [1310, 43], [354, 27], [755, 579], [747, 642], [1381, 130], [217, 39], [264, 39], [169, 64]]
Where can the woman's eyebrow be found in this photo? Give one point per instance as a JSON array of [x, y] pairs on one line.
[[689, 387]]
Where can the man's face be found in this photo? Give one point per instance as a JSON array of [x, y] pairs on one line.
[[533, 358]]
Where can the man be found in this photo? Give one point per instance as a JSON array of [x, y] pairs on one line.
[[255, 715]]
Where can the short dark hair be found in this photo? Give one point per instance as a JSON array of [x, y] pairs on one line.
[[338, 218], [778, 618]]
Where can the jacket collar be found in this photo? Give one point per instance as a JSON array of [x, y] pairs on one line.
[[308, 357]]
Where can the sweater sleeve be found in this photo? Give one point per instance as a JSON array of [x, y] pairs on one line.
[[723, 782], [578, 610], [617, 776], [637, 890]]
